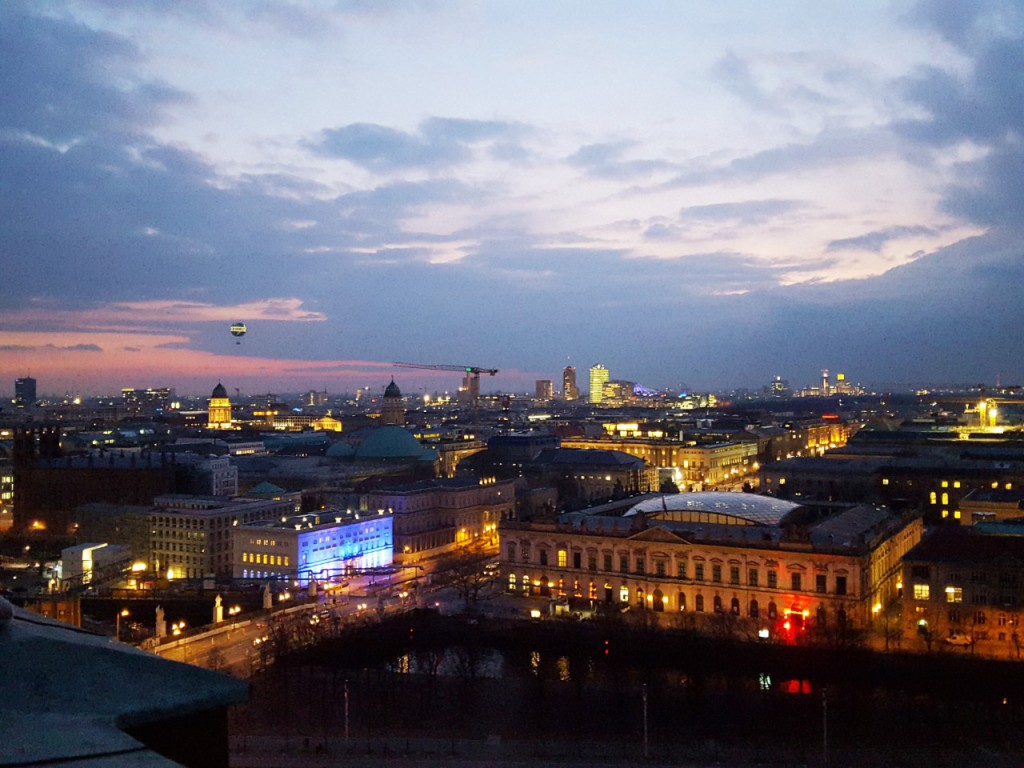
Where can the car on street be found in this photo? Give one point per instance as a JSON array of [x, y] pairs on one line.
[[959, 639]]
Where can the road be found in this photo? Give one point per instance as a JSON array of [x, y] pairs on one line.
[[241, 647]]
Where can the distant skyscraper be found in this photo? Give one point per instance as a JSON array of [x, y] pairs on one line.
[[598, 376], [24, 392], [569, 389], [544, 390], [778, 387]]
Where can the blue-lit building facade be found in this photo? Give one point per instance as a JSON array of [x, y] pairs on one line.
[[321, 546]]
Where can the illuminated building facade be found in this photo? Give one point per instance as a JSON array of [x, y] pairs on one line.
[[616, 392], [934, 485], [147, 401], [700, 466], [437, 516], [966, 583], [778, 388], [729, 559], [314, 398], [6, 495], [191, 536], [598, 376], [544, 390], [570, 390], [393, 409], [588, 476], [219, 411], [319, 546], [85, 563]]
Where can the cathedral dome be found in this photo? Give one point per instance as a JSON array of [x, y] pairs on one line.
[[392, 390], [219, 391], [390, 442]]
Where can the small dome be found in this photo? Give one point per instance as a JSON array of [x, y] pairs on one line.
[[392, 390], [219, 391]]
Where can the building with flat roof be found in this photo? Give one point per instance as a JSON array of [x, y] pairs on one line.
[[320, 546], [752, 561], [598, 376], [570, 391], [24, 392], [436, 516], [76, 699], [191, 536], [965, 584]]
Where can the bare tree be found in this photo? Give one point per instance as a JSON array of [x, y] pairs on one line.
[[463, 571]]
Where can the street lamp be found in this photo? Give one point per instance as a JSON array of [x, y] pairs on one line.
[[117, 622]]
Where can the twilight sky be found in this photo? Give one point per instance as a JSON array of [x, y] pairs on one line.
[[696, 193]]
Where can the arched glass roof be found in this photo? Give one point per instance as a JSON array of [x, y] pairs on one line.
[[716, 507]]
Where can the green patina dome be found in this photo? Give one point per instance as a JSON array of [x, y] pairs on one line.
[[391, 442]]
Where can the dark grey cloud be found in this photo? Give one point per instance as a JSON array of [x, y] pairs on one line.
[[875, 241], [984, 105], [439, 142], [68, 94]]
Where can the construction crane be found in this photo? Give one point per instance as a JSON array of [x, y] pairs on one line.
[[987, 406], [472, 376]]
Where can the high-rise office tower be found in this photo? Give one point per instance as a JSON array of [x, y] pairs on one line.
[[543, 390], [24, 392], [569, 389], [598, 376]]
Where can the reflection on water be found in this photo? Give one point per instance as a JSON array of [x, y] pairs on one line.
[[563, 669], [453, 662]]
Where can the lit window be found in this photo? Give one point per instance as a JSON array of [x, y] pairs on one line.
[[956, 483], [945, 499], [954, 594], [932, 497], [885, 481], [922, 592], [945, 483]]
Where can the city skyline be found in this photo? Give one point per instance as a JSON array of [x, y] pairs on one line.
[[689, 194]]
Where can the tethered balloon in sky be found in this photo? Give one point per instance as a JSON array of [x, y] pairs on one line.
[[238, 331]]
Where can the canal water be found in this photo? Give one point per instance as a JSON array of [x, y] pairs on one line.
[[615, 684]]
